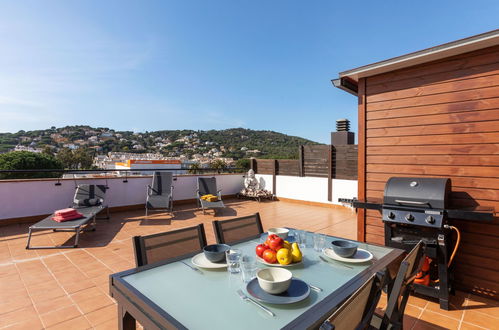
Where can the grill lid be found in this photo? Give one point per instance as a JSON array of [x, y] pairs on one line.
[[418, 192]]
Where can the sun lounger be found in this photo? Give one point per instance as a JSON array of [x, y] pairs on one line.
[[89, 201]]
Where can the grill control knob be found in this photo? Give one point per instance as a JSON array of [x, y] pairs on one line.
[[430, 220], [409, 217], [391, 215]]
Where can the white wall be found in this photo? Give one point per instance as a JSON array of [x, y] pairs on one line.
[[309, 188], [37, 197]]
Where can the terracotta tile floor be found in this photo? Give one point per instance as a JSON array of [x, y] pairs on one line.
[[68, 289]]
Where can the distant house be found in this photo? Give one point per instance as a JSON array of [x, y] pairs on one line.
[[24, 148]]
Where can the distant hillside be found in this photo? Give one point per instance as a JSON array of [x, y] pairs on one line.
[[235, 142]]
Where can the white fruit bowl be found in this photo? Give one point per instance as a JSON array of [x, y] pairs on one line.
[[274, 280], [281, 232]]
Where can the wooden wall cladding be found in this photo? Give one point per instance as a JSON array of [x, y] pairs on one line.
[[441, 119]]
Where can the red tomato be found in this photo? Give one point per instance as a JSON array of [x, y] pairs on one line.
[[276, 243], [270, 256], [260, 248]]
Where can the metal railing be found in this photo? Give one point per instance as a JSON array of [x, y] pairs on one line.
[[60, 173]]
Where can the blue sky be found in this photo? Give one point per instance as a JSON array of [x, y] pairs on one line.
[[153, 65]]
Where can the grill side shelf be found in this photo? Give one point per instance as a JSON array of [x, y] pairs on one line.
[[370, 205], [480, 213]]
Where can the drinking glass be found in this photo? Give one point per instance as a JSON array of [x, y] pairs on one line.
[[319, 242], [233, 257], [309, 239], [248, 268], [302, 238]]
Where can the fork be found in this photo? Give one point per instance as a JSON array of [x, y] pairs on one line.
[[191, 267], [246, 298]]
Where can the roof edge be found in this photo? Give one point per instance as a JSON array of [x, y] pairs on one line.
[[461, 46]]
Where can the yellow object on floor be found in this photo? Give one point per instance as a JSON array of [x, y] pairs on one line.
[[209, 198]]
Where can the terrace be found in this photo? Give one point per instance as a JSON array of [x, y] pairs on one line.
[[63, 289]]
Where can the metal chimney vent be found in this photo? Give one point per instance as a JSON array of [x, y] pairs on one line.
[[343, 125]]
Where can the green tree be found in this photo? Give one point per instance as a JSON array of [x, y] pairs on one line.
[[218, 164], [243, 163], [25, 160], [194, 168], [65, 156], [81, 158], [47, 150]]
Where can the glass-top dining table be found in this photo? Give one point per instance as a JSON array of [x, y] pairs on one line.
[[171, 294]]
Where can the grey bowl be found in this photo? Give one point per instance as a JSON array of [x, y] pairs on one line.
[[215, 252], [344, 249]]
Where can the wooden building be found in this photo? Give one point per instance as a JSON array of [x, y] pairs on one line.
[[435, 113]]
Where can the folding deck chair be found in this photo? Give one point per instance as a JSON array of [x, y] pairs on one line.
[[160, 194], [89, 201], [208, 186]]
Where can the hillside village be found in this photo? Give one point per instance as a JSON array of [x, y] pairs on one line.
[[187, 145]]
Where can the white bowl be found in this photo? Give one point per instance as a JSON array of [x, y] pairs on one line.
[[274, 280], [281, 232]]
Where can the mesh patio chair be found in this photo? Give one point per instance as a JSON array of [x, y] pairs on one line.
[[89, 201], [208, 186], [167, 245], [238, 229], [160, 194], [400, 291], [356, 312]]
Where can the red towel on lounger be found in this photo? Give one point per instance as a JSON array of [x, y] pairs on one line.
[[66, 214]]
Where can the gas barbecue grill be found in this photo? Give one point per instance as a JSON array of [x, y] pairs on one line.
[[415, 209]]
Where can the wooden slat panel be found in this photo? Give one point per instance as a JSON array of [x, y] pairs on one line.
[[265, 166], [375, 239], [455, 149], [470, 138], [460, 96], [444, 87], [445, 108], [477, 286], [483, 228], [435, 78], [288, 167], [374, 221], [457, 192], [456, 64], [487, 125], [434, 120], [473, 171], [476, 160], [465, 182]]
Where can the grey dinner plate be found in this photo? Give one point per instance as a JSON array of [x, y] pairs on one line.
[[297, 291]]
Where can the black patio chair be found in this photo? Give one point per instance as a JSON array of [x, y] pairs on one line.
[[400, 290], [238, 229], [356, 312], [171, 244], [160, 194]]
